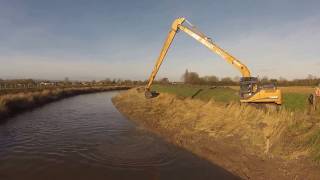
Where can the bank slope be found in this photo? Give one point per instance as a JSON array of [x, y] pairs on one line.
[[249, 142]]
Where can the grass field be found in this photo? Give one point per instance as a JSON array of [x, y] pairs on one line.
[[294, 98], [199, 92]]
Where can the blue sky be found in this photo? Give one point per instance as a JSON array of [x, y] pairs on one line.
[[96, 39]]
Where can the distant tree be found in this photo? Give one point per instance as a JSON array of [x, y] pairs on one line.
[[210, 80], [226, 80], [311, 80], [193, 78], [282, 81], [119, 81], [310, 76], [138, 82], [66, 79], [236, 79], [145, 82], [274, 81], [164, 81], [185, 76], [264, 80], [107, 81], [127, 82]]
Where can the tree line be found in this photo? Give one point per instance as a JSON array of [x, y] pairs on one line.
[[194, 78], [188, 77], [32, 83]]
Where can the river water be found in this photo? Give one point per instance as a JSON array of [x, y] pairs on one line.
[[85, 137]]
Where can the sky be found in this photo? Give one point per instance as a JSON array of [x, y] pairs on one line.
[[98, 39]]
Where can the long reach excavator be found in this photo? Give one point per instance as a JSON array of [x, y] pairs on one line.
[[250, 89]]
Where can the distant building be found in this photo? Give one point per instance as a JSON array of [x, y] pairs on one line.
[[47, 83]]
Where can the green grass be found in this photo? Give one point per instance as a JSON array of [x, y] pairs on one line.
[[179, 90], [314, 143], [295, 101], [219, 94], [303, 135]]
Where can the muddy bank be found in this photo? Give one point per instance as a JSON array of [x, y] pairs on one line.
[[250, 143], [10, 104]]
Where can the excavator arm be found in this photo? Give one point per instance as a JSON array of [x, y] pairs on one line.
[[174, 28], [216, 49], [178, 25]]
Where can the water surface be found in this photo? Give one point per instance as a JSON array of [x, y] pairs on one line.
[[85, 137]]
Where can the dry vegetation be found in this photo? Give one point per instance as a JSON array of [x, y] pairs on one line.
[[247, 141], [13, 103]]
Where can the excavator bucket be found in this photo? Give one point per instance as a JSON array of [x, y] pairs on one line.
[[150, 94]]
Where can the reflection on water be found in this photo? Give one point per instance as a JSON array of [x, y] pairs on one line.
[[85, 137]]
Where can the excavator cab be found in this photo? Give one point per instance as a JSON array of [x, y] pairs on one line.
[[248, 87]]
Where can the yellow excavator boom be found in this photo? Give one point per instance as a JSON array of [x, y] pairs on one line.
[[216, 49], [177, 25], [174, 28]]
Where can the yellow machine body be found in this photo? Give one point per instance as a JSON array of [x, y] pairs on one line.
[[265, 96]]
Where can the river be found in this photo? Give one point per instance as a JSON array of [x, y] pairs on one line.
[[85, 137]]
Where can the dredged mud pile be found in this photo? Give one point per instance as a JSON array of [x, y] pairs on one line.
[[242, 139]]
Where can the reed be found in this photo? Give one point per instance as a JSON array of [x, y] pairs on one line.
[[282, 133]]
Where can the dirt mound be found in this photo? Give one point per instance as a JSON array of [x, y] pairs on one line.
[[247, 141]]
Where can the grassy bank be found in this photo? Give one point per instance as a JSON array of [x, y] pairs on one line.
[[301, 133], [11, 104], [294, 98], [244, 140]]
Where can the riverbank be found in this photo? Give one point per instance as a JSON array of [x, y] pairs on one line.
[[249, 142], [10, 104]]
